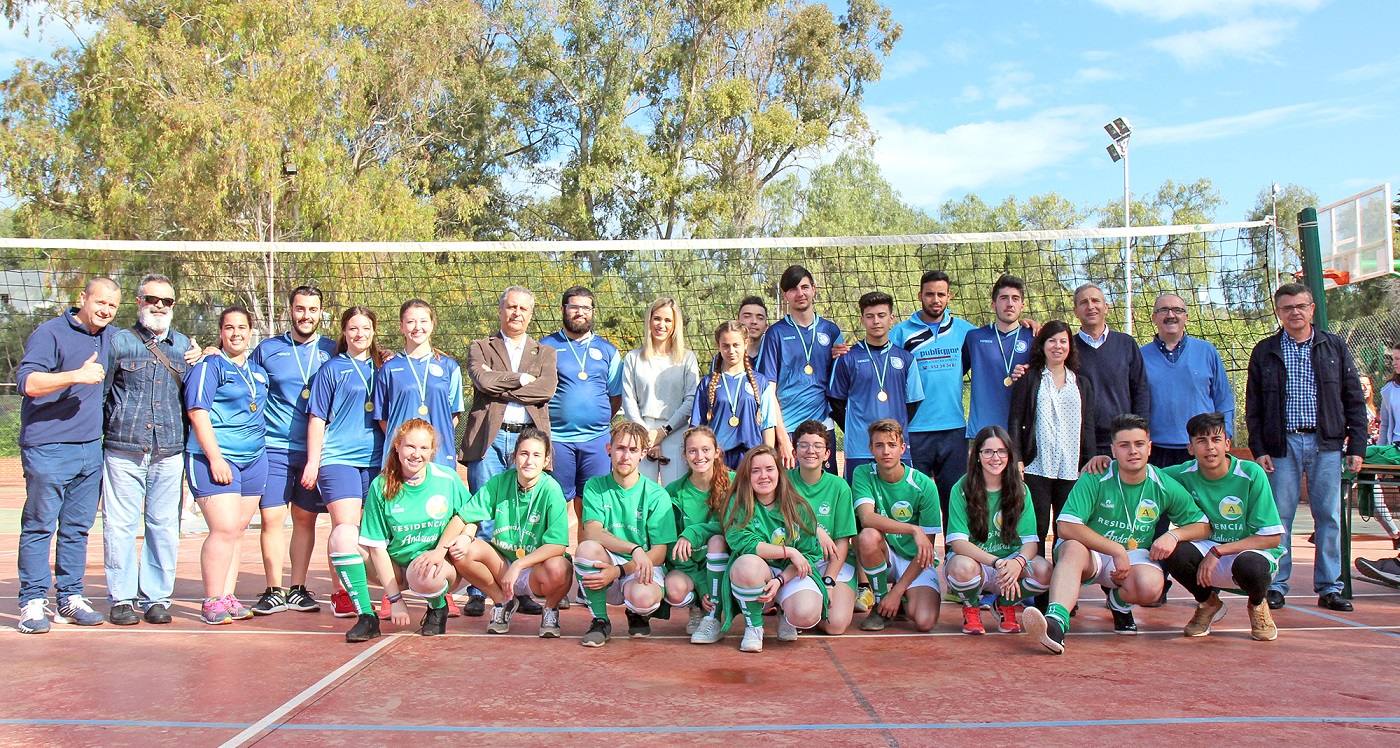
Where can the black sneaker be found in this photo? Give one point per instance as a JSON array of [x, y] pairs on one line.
[[599, 631], [1275, 599], [1045, 631], [475, 607], [270, 601], [434, 622], [638, 625], [1123, 623], [528, 606], [158, 613], [123, 614], [366, 627], [302, 601]]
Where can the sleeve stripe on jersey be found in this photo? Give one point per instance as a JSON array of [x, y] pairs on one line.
[[1029, 539], [372, 543], [956, 536], [1070, 518], [1270, 530], [864, 500], [932, 530]]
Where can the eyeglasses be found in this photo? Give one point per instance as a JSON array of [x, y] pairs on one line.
[[988, 454], [1291, 308], [154, 300], [578, 308], [809, 446], [1177, 310]]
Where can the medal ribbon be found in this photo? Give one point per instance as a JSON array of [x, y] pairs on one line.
[[582, 360], [806, 347], [1005, 359], [248, 380], [355, 365], [1131, 513], [734, 395], [880, 372], [423, 383], [307, 370]]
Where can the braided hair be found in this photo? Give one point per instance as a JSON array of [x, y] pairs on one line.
[[716, 369]]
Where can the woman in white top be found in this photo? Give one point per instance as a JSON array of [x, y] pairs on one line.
[[658, 389]]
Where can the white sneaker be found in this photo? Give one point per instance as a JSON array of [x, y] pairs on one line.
[[753, 639], [707, 632], [786, 631], [34, 617], [76, 609], [696, 614]]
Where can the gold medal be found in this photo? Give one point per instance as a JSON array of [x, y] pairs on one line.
[[369, 407], [882, 396], [1132, 544], [1006, 382], [305, 393], [520, 553], [734, 421], [582, 376], [808, 370], [422, 410], [252, 407]]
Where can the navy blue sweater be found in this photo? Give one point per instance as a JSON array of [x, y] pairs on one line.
[[1120, 381]]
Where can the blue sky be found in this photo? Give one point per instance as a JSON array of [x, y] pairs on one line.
[[1009, 98]]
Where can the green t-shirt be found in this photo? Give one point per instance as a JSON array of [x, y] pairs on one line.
[[958, 525], [1238, 504], [912, 499], [768, 526], [1128, 514], [831, 502], [524, 521], [641, 514], [411, 523], [694, 522]]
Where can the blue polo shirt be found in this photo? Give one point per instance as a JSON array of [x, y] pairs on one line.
[[786, 352], [581, 409], [937, 350], [858, 378], [229, 392], [400, 387], [72, 414], [991, 355], [339, 393], [290, 367]]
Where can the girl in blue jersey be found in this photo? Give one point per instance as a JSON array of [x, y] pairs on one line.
[[421, 382], [344, 446], [739, 404], [226, 460]]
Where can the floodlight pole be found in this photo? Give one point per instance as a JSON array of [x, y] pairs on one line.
[[1128, 249]]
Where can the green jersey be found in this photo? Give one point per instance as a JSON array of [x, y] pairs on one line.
[[830, 498], [694, 521], [1238, 504], [1128, 514], [912, 499], [958, 525], [525, 520], [411, 523], [641, 514], [768, 526]]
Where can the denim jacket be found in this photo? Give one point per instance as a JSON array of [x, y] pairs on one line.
[[145, 411]]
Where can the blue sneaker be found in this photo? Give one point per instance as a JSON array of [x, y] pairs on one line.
[[34, 617], [75, 609]]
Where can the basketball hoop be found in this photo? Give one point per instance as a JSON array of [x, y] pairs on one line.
[[1330, 278]]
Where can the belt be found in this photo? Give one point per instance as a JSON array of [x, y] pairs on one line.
[[1307, 430], [514, 428]]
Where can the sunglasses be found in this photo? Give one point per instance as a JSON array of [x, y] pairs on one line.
[[154, 300]]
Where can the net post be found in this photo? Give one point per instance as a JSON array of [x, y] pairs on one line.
[[1311, 244]]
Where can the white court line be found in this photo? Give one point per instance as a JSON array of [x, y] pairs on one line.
[[254, 730]]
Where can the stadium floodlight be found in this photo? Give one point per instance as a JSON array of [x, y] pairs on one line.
[[1120, 131], [1115, 153]]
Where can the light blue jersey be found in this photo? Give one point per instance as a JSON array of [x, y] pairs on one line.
[[235, 397], [290, 366], [429, 388], [798, 360], [341, 396], [859, 377], [590, 373], [738, 418], [937, 350]]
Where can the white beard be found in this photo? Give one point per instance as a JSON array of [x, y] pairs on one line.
[[156, 323]]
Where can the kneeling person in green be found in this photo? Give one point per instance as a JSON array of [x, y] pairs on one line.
[[772, 533], [900, 518], [1246, 534], [830, 499], [628, 524], [412, 518], [525, 555], [699, 499], [1106, 522]]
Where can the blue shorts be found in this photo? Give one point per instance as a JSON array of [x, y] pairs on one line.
[[576, 462], [249, 478], [284, 482], [336, 482]]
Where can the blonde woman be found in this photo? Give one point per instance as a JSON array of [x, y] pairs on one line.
[[658, 389]]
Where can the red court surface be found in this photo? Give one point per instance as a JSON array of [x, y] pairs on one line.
[[290, 679]]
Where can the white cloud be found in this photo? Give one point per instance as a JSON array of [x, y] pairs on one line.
[[1235, 125], [1012, 87], [904, 64], [929, 166], [1370, 71], [1172, 10], [1248, 38], [1096, 75]]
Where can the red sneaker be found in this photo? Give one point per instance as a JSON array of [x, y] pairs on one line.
[[452, 610], [1008, 623], [972, 620], [341, 604], [385, 609]]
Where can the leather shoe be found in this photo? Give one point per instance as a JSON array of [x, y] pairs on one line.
[[1334, 601], [1275, 599]]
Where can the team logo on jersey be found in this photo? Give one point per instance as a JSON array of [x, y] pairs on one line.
[[322, 356], [436, 506], [824, 509], [260, 377], [1021, 346], [902, 511], [823, 338], [435, 370], [595, 354], [896, 363], [1147, 511], [534, 518], [779, 536], [1231, 507], [996, 523]]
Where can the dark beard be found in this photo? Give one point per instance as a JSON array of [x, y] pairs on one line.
[[577, 328]]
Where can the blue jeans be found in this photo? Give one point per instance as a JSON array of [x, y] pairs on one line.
[[61, 486], [1324, 471], [138, 492], [499, 457]]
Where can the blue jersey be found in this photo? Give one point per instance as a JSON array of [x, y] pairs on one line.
[[991, 355], [235, 397], [937, 351], [734, 399], [590, 372], [859, 377], [341, 396], [290, 366], [787, 352], [429, 388]]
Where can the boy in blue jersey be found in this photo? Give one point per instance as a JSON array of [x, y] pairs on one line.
[[589, 392], [290, 361], [996, 355], [937, 432], [797, 355], [874, 380], [753, 316]]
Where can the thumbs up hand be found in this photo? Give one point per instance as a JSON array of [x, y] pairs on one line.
[[90, 372]]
